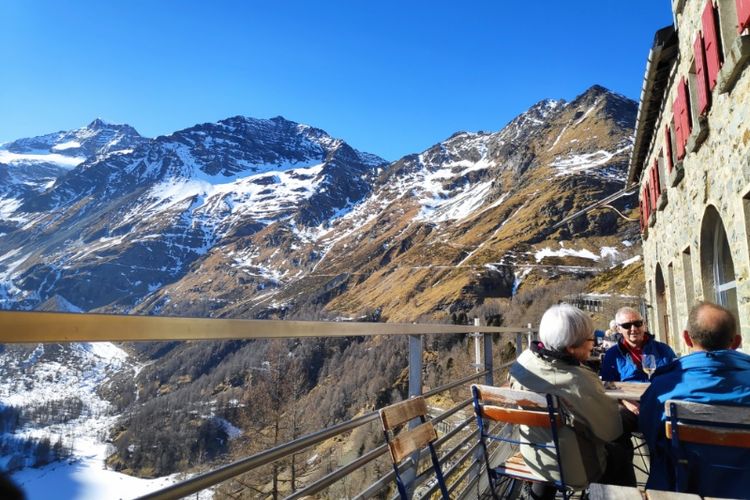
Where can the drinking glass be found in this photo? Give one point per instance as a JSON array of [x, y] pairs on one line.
[[649, 364]]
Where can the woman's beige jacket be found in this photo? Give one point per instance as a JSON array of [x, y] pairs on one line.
[[592, 418]]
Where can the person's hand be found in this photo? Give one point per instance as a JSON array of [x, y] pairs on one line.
[[631, 406]]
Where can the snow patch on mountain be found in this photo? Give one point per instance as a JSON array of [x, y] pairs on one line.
[[632, 260], [564, 252], [577, 163]]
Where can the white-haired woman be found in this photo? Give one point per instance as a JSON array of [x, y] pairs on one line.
[[554, 366]]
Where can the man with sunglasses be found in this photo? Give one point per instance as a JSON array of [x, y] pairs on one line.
[[622, 362]]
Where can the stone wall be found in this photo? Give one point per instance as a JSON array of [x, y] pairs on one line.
[[716, 172]]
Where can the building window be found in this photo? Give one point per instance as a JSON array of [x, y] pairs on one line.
[[731, 21], [673, 308], [687, 271], [683, 120], [698, 79], [743, 15], [668, 158], [717, 266], [711, 43], [661, 314]]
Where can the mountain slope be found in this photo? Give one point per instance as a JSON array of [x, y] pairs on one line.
[[441, 230], [264, 218], [119, 226]]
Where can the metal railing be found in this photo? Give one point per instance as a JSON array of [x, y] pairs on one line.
[[36, 327]]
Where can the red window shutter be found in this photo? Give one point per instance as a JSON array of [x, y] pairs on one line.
[[711, 44], [687, 119], [647, 200], [677, 111], [700, 74], [654, 194], [668, 148], [642, 215], [743, 15], [657, 182]]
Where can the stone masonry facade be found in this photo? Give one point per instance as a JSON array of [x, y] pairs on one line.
[[714, 172]]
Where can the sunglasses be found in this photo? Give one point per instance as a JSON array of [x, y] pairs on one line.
[[630, 324]]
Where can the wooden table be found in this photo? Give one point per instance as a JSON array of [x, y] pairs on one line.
[[631, 391], [609, 492]]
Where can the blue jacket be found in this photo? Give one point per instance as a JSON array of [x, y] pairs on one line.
[[619, 366], [720, 377]]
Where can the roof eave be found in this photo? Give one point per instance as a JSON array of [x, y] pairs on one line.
[[661, 57]]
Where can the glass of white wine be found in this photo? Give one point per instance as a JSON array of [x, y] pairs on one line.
[[649, 364]]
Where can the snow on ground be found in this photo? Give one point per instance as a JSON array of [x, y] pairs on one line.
[[575, 163], [633, 260], [606, 254], [232, 431], [8, 210], [53, 373], [86, 479], [437, 205], [565, 252]]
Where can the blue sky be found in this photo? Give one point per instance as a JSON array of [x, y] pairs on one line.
[[389, 77]]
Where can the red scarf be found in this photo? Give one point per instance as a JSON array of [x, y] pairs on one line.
[[636, 353]]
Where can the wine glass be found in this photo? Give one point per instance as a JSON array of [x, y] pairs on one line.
[[649, 364]]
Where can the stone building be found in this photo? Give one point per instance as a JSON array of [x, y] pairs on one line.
[[691, 160]]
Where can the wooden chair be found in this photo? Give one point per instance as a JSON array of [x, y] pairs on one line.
[[502, 404], [403, 442], [690, 426]]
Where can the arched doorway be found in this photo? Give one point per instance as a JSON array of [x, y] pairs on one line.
[[661, 314], [717, 266]]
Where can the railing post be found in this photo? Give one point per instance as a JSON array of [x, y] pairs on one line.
[[415, 389], [487, 355], [415, 365], [529, 334], [519, 344]]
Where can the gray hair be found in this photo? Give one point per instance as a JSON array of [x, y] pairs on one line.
[[564, 326], [627, 309]]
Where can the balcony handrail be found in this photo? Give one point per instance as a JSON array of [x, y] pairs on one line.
[[216, 476], [34, 327]]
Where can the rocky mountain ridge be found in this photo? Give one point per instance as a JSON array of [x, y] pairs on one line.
[[258, 218], [140, 217], [467, 219]]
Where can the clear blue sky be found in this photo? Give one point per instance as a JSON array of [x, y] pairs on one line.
[[389, 77]]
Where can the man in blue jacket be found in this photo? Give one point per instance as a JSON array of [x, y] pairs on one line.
[[713, 373], [622, 362]]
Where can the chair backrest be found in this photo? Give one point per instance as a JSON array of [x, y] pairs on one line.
[[503, 404], [403, 441], [690, 423], [701, 423]]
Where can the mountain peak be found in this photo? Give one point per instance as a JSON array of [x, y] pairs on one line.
[[597, 89], [596, 92], [98, 124]]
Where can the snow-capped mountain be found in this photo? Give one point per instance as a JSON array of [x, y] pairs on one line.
[[137, 218], [247, 216], [31, 166], [439, 230], [37, 161]]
